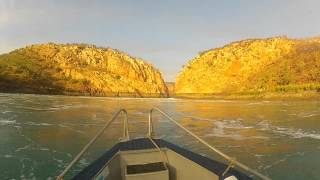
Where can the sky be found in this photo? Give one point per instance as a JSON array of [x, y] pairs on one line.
[[165, 33]]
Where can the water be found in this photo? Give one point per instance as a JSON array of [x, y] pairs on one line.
[[39, 135]]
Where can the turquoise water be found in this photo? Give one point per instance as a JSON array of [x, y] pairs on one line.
[[39, 134]]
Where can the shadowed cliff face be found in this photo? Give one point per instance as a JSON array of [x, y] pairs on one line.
[[254, 66], [80, 70]]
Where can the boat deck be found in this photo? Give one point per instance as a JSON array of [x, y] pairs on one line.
[[145, 144]]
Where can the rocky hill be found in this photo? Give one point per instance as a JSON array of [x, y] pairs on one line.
[[78, 69], [254, 66]]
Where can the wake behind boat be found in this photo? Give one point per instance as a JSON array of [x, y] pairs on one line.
[[150, 158]]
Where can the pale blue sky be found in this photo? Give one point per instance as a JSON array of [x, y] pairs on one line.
[[166, 33]]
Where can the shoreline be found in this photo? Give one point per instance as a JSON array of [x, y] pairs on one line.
[[307, 95]]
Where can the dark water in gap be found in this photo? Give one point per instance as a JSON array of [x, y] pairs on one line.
[[39, 135]]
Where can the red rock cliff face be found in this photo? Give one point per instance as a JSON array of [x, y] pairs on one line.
[[79, 69]]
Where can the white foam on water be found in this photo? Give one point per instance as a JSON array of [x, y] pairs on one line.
[[69, 155], [305, 114], [35, 108], [68, 106], [70, 125], [292, 114], [200, 119], [7, 122], [275, 163], [5, 112], [292, 132], [221, 129], [255, 103], [8, 156], [45, 124], [231, 124], [31, 123], [59, 161], [62, 125], [234, 136], [22, 148], [222, 134], [258, 103], [44, 149], [296, 133], [310, 115], [83, 162]]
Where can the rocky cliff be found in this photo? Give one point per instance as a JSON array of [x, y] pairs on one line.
[[170, 86], [254, 66], [78, 69]]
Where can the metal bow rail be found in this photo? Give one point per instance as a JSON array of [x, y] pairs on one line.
[[124, 138], [231, 160]]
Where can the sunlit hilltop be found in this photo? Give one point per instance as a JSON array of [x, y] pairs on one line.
[[78, 69], [254, 66]]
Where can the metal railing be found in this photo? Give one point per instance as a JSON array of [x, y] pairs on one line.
[[231, 160], [85, 148]]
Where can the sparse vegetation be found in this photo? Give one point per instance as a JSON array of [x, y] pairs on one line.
[[254, 67], [77, 69]]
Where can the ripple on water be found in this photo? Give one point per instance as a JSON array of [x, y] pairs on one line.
[[231, 129], [6, 112], [30, 123], [8, 156], [292, 132], [7, 122], [83, 162], [297, 133], [23, 148], [31, 112], [221, 127]]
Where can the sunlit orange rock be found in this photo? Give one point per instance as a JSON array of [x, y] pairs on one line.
[[78, 69], [254, 66]]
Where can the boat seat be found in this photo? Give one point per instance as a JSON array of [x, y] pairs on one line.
[[149, 171]]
